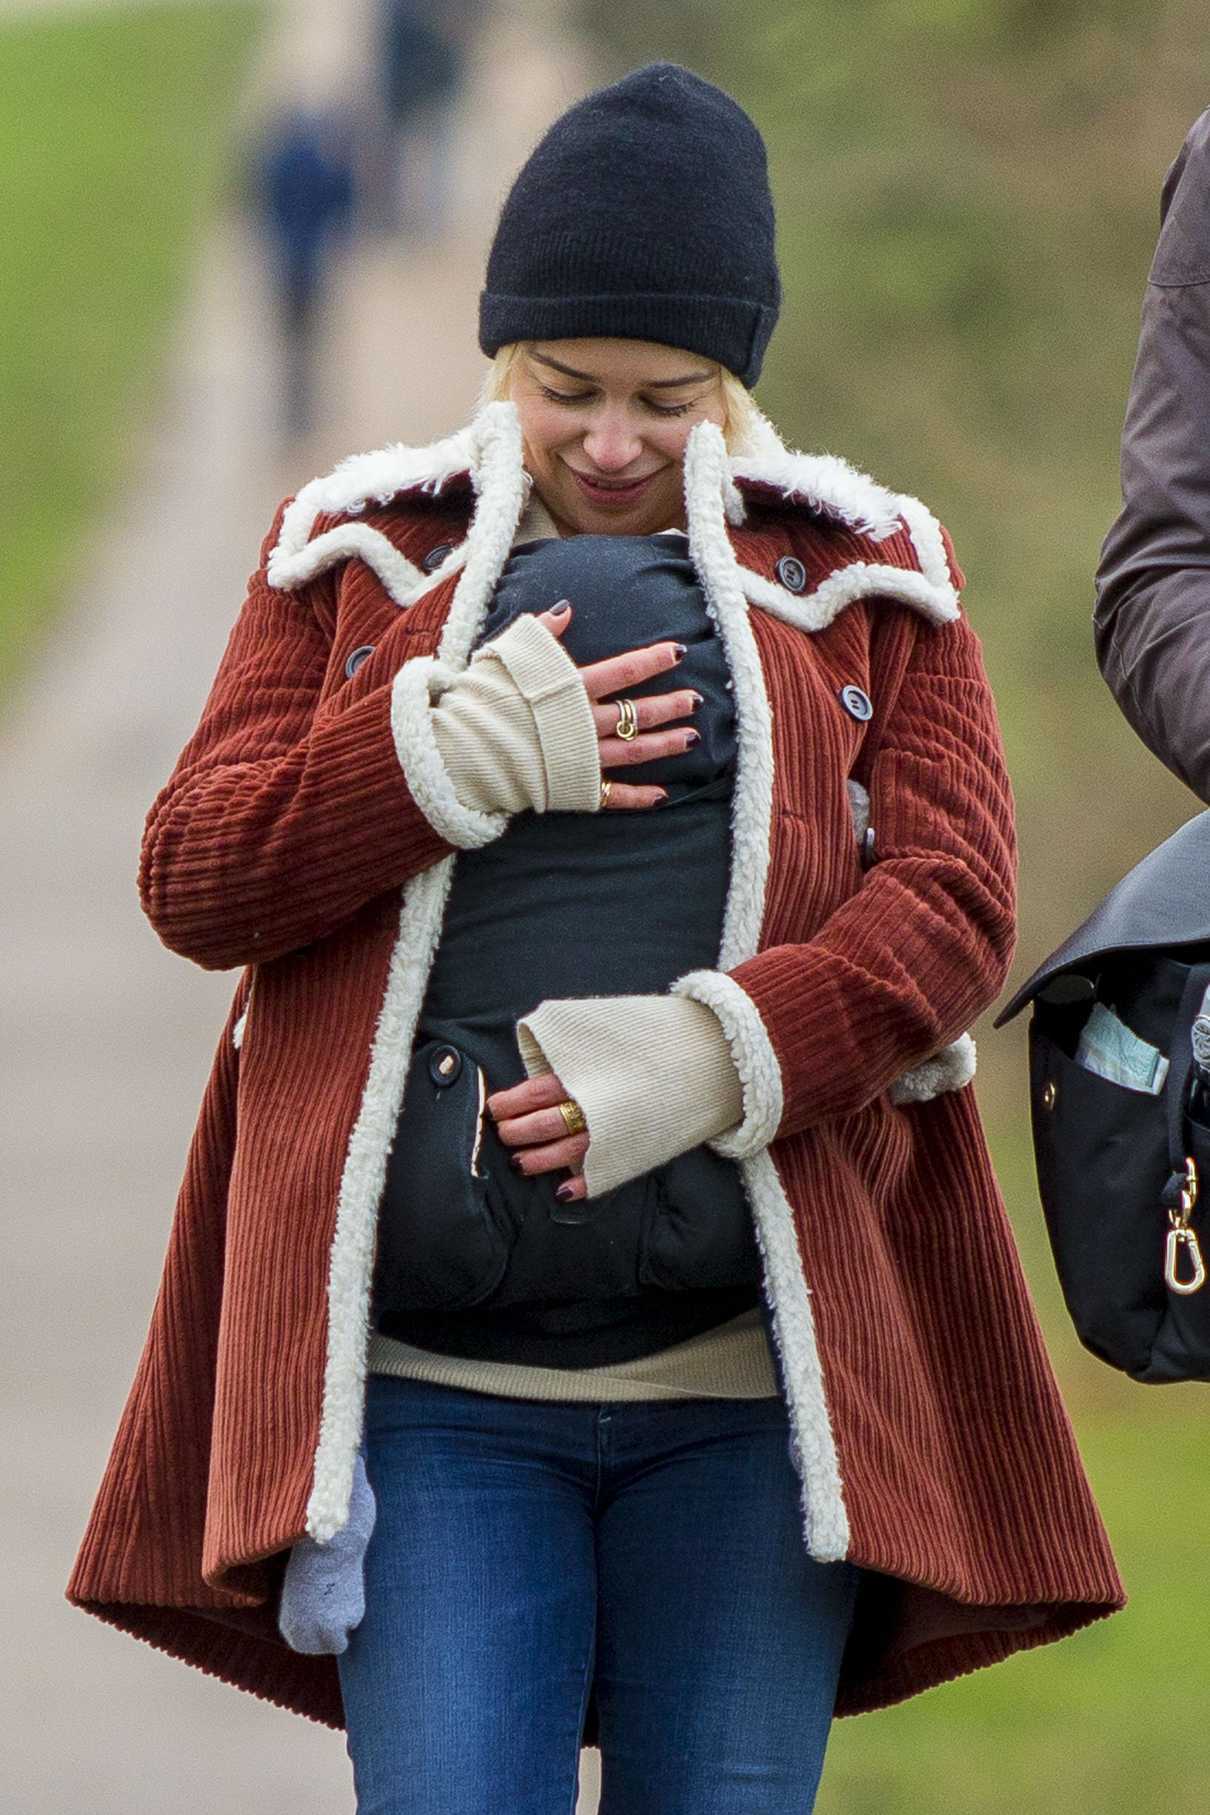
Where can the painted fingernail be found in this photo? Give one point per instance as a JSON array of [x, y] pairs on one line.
[[564, 1193], [692, 737], [558, 610], [682, 651], [663, 800], [514, 1160], [695, 696]]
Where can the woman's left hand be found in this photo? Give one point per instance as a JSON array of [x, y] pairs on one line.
[[527, 1119]]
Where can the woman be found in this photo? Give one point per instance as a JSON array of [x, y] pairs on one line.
[[775, 1434]]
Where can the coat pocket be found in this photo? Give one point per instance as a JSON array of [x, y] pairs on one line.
[[444, 1233], [698, 1232]]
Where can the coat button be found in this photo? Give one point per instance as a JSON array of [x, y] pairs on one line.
[[432, 561], [357, 658], [792, 574], [856, 703], [445, 1065]]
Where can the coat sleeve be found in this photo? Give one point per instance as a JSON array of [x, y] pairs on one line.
[[1152, 617], [903, 967], [282, 817]]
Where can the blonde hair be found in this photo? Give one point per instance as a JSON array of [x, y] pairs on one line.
[[744, 427]]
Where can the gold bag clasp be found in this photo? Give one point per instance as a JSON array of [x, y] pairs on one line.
[[1182, 1237]]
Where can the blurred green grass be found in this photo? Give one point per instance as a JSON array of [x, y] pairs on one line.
[[967, 201], [114, 127], [1099, 1724]]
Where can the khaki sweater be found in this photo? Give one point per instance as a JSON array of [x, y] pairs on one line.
[[513, 733]]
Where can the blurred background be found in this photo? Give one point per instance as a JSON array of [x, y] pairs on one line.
[[242, 241]]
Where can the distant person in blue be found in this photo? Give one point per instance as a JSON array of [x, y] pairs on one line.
[[304, 191]]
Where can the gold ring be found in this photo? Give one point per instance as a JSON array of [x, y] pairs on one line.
[[573, 1116], [606, 790], [628, 720]]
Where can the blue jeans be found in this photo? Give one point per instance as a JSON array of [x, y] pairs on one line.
[[525, 1550]]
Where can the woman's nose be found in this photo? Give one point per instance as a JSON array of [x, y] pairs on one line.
[[612, 445]]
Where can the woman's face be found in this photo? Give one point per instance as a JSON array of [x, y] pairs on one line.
[[605, 424]]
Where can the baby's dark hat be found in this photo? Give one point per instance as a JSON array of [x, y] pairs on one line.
[[643, 214]]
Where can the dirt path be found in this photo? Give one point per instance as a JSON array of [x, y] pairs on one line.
[[108, 1037]]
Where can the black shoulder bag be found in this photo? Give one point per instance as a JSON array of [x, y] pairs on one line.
[[1120, 1104]]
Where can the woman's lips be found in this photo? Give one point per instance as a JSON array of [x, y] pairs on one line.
[[611, 497]]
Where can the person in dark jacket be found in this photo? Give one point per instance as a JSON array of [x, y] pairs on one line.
[[1152, 619]]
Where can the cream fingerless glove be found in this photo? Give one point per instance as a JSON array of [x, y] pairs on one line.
[[515, 727], [654, 1076]]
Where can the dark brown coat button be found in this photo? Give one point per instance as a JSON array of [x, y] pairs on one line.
[[357, 658], [792, 573], [432, 561]]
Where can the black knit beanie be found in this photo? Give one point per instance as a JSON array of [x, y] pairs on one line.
[[644, 214]]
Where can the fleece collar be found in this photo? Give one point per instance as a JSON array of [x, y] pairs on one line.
[[486, 456]]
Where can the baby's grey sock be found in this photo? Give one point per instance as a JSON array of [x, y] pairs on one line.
[[323, 1595]]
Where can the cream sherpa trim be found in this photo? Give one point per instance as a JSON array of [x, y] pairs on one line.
[[400, 576], [706, 479], [859, 580], [752, 1055], [496, 455], [951, 1069], [346, 491], [823, 482], [813, 1447], [927, 541], [362, 1180], [826, 484]]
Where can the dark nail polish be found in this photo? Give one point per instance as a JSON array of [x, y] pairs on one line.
[[514, 1160], [663, 800], [692, 737], [682, 651], [696, 697], [564, 1193], [561, 607]]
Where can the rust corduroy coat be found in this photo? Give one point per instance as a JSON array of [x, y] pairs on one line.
[[307, 837]]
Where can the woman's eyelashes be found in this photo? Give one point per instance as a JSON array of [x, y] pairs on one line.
[[657, 409]]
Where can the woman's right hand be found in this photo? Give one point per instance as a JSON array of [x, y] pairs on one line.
[[622, 674]]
